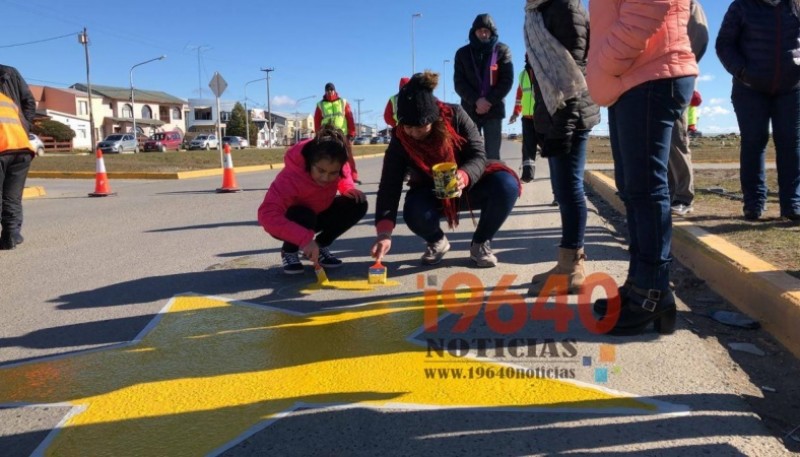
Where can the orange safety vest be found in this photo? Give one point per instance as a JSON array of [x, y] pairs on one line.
[[12, 133]]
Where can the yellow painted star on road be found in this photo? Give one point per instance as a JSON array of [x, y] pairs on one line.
[[210, 370]]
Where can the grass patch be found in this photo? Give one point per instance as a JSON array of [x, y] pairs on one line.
[[171, 162]]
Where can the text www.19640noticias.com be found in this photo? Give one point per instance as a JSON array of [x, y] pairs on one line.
[[499, 373]]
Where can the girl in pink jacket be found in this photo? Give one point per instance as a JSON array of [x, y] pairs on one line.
[[312, 201], [641, 66]]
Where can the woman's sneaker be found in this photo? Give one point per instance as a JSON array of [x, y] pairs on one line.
[[328, 260], [291, 263]]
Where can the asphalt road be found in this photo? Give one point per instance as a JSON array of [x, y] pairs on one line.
[[96, 274]]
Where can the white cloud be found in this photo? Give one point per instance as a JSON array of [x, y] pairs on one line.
[[712, 111], [717, 101], [719, 129], [705, 78], [283, 100]]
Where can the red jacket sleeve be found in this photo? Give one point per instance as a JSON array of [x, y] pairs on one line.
[[388, 114], [317, 120], [272, 213], [351, 124], [518, 101], [346, 183]]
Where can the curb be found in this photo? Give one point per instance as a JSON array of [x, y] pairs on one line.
[[759, 289], [175, 175], [33, 192]]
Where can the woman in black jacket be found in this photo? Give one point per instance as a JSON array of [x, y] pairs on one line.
[[758, 45], [430, 132], [557, 43]]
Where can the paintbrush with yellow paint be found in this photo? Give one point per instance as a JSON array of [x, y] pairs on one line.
[[377, 273], [322, 277]]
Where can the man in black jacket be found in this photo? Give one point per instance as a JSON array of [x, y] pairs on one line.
[[483, 76], [14, 161]]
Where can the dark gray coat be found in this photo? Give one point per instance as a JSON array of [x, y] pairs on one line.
[[14, 86], [568, 22]]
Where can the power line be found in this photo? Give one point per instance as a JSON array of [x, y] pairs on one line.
[[38, 41]]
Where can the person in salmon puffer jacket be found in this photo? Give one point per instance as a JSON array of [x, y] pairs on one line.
[[641, 67]]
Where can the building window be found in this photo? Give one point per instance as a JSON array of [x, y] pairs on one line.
[[127, 110], [83, 107], [202, 114], [176, 113], [225, 116], [147, 113]]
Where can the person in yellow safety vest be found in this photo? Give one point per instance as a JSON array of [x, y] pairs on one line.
[[16, 153], [390, 112], [334, 110], [524, 105], [691, 113]]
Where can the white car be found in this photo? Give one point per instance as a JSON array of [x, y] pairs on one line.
[[36, 144], [204, 142]]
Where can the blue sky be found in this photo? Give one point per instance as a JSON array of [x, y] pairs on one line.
[[363, 47]]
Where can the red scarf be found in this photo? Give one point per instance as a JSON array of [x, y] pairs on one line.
[[436, 149]]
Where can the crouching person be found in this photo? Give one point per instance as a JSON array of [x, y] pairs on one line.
[[312, 201], [430, 133]]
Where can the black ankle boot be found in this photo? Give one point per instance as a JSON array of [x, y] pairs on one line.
[[7, 242], [601, 304], [643, 307]]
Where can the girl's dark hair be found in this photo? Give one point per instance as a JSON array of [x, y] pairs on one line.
[[328, 143]]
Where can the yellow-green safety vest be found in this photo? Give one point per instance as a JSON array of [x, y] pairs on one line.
[[333, 113], [12, 134], [528, 101], [692, 115], [393, 99]]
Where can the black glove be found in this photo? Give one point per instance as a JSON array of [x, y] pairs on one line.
[[553, 147]]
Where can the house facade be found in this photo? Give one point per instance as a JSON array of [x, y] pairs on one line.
[[70, 107]]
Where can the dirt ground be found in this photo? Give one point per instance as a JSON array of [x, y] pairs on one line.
[[769, 382]]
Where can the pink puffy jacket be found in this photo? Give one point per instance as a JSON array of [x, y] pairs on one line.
[[294, 187], [634, 41]]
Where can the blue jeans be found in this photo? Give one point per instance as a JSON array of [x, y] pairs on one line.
[[566, 177], [494, 195], [492, 131], [640, 126], [754, 111]]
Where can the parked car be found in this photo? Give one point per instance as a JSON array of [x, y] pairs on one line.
[[513, 136], [118, 143], [236, 142], [361, 140], [164, 141], [244, 142], [204, 142], [376, 140], [36, 144]]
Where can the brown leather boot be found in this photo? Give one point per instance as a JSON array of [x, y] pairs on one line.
[[570, 263]]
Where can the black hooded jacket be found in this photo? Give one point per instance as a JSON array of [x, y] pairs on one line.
[[15, 88], [470, 66]]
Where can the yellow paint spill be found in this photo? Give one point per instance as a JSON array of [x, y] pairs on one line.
[[359, 285], [212, 370]]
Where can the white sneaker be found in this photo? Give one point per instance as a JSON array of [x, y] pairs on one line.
[[435, 251]]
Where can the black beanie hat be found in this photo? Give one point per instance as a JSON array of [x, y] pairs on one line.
[[329, 86], [416, 104]]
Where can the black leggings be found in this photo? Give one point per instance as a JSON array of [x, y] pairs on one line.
[[330, 224]]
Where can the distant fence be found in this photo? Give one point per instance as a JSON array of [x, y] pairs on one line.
[[51, 145]]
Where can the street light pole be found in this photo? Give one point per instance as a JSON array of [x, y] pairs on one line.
[[246, 112], [444, 80], [269, 109], [413, 66], [83, 38], [133, 101], [358, 119]]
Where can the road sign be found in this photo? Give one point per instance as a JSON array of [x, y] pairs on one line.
[[218, 84]]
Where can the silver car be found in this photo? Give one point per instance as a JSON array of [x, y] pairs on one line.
[[204, 142], [36, 144], [118, 143]]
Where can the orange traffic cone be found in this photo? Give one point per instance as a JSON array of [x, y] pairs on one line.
[[228, 175], [101, 186]]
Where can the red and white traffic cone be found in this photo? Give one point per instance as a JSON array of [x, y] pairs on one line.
[[101, 185], [228, 175]]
